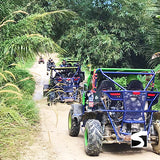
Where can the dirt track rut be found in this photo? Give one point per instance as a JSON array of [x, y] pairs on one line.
[[53, 141]]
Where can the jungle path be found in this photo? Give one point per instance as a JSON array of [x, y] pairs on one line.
[[52, 142]]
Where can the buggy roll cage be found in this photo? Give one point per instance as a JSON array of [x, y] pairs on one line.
[[69, 84], [72, 61], [123, 71], [120, 95], [65, 68]]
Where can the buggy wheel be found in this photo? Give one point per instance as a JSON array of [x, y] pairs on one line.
[[156, 147], [73, 125], [79, 97], [93, 137]]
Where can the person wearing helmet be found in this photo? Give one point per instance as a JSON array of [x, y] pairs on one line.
[[63, 63], [52, 63], [49, 60]]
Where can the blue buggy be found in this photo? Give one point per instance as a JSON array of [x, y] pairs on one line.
[[64, 84], [114, 113]]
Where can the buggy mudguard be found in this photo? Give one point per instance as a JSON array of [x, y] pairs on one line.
[[77, 111]]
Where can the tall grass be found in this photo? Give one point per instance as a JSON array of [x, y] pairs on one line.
[[18, 114]]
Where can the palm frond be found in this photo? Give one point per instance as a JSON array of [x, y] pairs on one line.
[[25, 79], [64, 13], [32, 35], [2, 75], [12, 85], [14, 64], [11, 91], [5, 22], [154, 61], [20, 11], [157, 68], [9, 72], [33, 44]]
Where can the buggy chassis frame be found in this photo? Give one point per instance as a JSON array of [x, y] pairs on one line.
[[65, 86], [119, 95]]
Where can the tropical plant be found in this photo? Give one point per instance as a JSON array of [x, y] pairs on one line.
[[17, 110], [22, 36], [116, 32]]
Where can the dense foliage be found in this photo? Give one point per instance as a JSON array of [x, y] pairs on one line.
[[119, 33], [25, 31], [17, 110], [103, 33], [114, 33]]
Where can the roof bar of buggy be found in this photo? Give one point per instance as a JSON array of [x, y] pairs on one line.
[[72, 61], [65, 68], [105, 71], [126, 69]]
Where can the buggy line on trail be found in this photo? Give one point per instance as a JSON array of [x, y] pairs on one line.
[[53, 142]]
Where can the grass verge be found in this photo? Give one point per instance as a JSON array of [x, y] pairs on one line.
[[18, 114]]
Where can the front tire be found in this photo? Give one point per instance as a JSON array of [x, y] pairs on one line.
[[73, 125], [93, 137], [156, 148]]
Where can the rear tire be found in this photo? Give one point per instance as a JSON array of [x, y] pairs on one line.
[[156, 148], [73, 125], [93, 137]]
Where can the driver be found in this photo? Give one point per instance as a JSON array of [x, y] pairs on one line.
[[63, 63], [52, 63]]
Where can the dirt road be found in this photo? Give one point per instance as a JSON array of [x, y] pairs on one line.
[[53, 141]]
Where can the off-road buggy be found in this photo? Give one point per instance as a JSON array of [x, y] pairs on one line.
[[41, 60], [50, 64], [112, 113], [64, 84]]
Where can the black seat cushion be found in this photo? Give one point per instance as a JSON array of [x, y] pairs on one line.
[[106, 85], [135, 85]]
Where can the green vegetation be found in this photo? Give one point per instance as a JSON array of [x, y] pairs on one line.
[[101, 33], [114, 33], [119, 33], [26, 30], [122, 81], [17, 110]]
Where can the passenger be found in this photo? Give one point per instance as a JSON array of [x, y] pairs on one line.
[[63, 63], [52, 63], [135, 85], [49, 60]]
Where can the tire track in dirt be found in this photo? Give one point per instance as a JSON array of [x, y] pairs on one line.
[[53, 141]]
